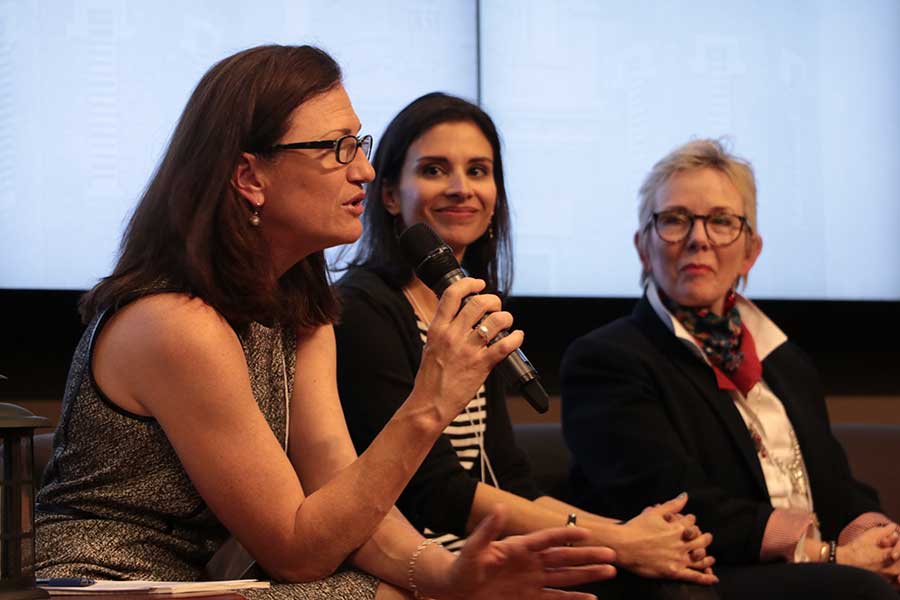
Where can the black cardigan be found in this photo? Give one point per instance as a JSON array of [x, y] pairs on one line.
[[378, 355], [645, 420]]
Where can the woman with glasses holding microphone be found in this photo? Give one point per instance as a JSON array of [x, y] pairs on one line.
[[699, 390]]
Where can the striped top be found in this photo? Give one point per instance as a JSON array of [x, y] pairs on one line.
[[466, 433]]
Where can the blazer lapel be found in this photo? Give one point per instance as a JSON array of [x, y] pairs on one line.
[[776, 377], [702, 378]]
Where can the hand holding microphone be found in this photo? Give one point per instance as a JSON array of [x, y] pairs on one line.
[[437, 267]]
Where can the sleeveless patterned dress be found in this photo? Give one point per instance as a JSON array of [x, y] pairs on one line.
[[116, 502]]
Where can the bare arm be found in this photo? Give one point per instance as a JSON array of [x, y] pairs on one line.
[[559, 507], [176, 359], [320, 446]]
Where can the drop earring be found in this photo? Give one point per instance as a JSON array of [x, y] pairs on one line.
[[730, 298], [254, 218]]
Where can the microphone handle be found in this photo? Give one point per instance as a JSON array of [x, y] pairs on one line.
[[515, 369]]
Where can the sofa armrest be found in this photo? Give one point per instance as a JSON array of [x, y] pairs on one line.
[[871, 451]]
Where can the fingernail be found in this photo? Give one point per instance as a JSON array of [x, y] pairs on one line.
[[681, 495]]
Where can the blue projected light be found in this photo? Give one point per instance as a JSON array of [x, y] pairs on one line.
[[90, 91], [589, 95]]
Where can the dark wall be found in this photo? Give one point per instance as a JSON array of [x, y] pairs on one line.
[[854, 344], [40, 329]]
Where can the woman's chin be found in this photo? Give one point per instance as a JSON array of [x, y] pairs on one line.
[[347, 237], [457, 237], [697, 298]]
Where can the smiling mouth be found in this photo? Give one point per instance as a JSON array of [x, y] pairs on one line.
[[459, 210]]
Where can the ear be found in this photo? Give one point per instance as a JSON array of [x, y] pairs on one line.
[[754, 248], [249, 180], [642, 254], [389, 199]]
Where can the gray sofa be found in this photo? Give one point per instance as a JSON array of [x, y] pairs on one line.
[[871, 450]]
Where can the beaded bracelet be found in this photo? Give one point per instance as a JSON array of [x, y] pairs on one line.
[[832, 551], [411, 570]]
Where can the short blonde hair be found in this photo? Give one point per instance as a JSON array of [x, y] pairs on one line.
[[696, 154]]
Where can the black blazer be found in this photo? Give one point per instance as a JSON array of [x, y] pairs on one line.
[[645, 420]]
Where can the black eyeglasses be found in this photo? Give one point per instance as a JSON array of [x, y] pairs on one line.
[[344, 147], [722, 228]]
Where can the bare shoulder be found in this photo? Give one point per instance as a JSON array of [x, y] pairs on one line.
[[161, 337], [321, 337], [175, 324]]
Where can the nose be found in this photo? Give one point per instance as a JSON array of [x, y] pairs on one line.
[[458, 185], [360, 169], [697, 235]]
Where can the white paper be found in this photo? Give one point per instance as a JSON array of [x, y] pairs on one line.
[[156, 587]]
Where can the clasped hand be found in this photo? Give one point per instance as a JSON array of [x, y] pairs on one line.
[[878, 550], [663, 543]]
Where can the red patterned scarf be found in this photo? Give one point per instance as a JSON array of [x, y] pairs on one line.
[[725, 341]]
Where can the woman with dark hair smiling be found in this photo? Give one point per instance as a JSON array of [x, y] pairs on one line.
[[439, 162], [202, 400]]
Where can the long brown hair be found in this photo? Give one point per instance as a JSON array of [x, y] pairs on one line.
[[190, 230], [490, 256]]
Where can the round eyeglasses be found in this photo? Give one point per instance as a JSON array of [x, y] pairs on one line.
[[721, 228], [345, 147]]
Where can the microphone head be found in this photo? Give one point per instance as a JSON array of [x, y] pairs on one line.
[[429, 256], [418, 241]]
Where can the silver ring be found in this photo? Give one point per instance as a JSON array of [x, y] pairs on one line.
[[484, 333]]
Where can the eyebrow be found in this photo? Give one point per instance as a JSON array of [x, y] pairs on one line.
[[437, 158], [686, 209], [341, 132]]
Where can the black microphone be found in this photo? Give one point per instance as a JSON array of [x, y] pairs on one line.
[[437, 267]]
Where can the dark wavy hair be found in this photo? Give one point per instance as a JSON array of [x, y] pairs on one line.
[[488, 257], [190, 230]]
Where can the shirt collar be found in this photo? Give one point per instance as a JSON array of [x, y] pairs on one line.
[[767, 336]]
